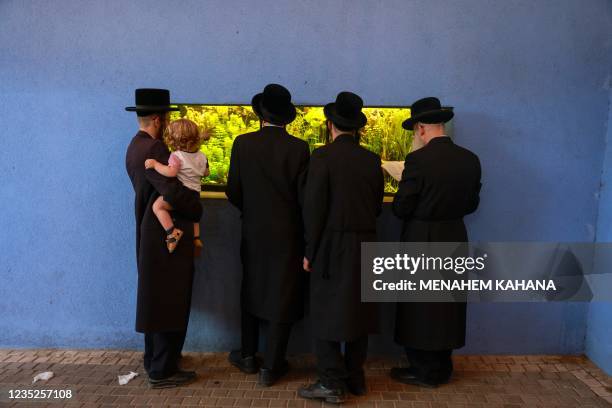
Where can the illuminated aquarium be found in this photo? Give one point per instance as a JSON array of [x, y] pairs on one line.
[[383, 133]]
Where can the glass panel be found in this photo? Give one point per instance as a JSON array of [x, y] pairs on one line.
[[383, 133]]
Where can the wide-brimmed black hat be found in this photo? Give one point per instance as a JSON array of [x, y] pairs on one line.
[[427, 110], [346, 111], [149, 100], [274, 105]]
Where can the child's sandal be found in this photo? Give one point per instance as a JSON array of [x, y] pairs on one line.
[[173, 239], [197, 247]]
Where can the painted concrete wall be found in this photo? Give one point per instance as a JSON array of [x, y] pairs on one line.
[[599, 324], [527, 80]]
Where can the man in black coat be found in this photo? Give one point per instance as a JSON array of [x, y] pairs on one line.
[[164, 279], [265, 182], [440, 185], [343, 197]]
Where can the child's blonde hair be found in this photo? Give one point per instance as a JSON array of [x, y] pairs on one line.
[[183, 134]]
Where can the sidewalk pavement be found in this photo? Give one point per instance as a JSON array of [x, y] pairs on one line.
[[479, 381]]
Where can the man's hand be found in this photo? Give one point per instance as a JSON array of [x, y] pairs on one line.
[[150, 163], [306, 264]]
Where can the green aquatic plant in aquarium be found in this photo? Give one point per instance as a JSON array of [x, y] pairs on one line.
[[383, 133]]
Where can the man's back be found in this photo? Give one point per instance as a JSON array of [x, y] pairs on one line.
[[441, 182], [141, 148], [266, 177], [163, 303], [265, 183], [148, 184], [355, 177], [440, 185], [343, 197], [137, 153], [344, 192]]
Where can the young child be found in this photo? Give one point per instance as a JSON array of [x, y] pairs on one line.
[[187, 163]]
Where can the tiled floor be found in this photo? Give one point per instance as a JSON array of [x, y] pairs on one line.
[[479, 381]]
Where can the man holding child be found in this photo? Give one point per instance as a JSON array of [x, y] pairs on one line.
[[164, 279]]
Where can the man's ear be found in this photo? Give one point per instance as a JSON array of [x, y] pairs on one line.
[[419, 129]]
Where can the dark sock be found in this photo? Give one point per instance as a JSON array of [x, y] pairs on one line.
[[170, 230]]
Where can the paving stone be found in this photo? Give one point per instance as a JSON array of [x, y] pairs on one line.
[[479, 381]]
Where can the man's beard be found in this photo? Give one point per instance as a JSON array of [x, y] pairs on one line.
[[161, 130], [417, 143]]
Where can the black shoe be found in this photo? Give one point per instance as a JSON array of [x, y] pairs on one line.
[[268, 376], [248, 365], [319, 391], [408, 376], [179, 378], [357, 385]]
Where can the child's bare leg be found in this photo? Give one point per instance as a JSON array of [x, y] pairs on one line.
[[162, 209], [196, 230]]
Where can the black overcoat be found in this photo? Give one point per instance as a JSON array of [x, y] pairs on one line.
[[164, 279], [439, 186], [343, 197], [265, 182]]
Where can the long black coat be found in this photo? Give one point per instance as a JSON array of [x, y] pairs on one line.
[[440, 185], [265, 182], [164, 280], [343, 197]]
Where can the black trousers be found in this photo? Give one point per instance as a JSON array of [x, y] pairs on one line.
[[333, 368], [431, 366], [276, 340], [162, 353]]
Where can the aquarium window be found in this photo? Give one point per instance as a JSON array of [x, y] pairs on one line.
[[383, 133]]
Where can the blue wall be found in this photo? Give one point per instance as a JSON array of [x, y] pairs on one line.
[[599, 324], [527, 80]]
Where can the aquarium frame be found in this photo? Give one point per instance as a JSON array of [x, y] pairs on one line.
[[297, 105]]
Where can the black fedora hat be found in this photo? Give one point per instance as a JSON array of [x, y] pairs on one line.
[[150, 100], [274, 105], [346, 111], [427, 110]]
